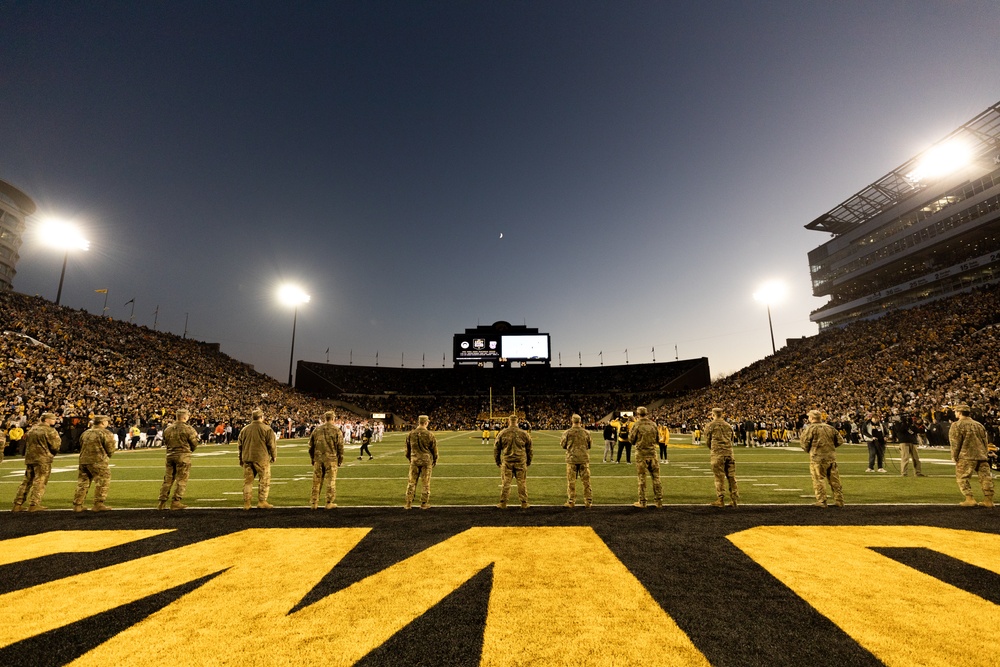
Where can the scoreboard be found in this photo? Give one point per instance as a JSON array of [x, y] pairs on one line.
[[480, 346]]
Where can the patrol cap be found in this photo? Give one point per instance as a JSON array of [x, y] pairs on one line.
[[98, 419], [963, 408], [257, 414], [815, 413], [48, 415]]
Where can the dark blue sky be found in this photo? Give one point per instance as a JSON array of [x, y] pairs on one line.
[[648, 163]]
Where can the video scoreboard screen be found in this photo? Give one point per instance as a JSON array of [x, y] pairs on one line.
[[501, 348]]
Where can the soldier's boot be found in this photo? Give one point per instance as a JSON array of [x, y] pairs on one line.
[[735, 498], [313, 505], [502, 505], [178, 505], [77, 507], [659, 503], [525, 506], [37, 508], [264, 505], [17, 508], [569, 503], [987, 501], [330, 506], [100, 507], [719, 502], [968, 502], [640, 503], [425, 506], [820, 503], [162, 505], [408, 505], [839, 502]]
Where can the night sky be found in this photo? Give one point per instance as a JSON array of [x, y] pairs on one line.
[[649, 164]]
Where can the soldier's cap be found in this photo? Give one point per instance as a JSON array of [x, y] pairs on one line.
[[641, 411], [815, 413], [962, 408], [101, 418], [257, 414], [48, 415]]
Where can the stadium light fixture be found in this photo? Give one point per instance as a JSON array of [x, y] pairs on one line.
[[292, 295], [773, 291], [63, 236], [941, 160]]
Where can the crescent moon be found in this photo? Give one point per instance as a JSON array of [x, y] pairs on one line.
[[501, 234]]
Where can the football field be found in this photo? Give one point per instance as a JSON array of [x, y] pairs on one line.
[[466, 475]]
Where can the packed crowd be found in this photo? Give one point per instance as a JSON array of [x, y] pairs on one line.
[[913, 363], [916, 362], [75, 364]]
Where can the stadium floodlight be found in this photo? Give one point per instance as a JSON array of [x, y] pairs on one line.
[[64, 236], [941, 160], [773, 291], [292, 295]]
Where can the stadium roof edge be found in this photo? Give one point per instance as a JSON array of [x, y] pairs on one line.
[[983, 132]]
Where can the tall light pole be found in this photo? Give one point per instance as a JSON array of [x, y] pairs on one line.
[[64, 236], [292, 295], [770, 292]]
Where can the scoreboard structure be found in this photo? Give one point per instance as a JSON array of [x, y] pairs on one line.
[[501, 344]]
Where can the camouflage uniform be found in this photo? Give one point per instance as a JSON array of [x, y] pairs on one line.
[[968, 451], [326, 451], [41, 445], [643, 436], [96, 447], [512, 453], [422, 453], [576, 441], [821, 441], [180, 440], [257, 452], [719, 439]]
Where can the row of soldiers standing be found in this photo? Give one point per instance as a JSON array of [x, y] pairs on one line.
[[512, 454]]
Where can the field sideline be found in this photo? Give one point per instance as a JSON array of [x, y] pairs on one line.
[[466, 475]]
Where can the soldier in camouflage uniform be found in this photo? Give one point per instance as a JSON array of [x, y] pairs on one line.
[[719, 439], [96, 447], [512, 453], [257, 453], [180, 440], [422, 453], [326, 451], [968, 451], [644, 435], [41, 445], [576, 441], [821, 440]]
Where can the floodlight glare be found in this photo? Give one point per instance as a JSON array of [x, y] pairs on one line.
[[941, 160], [65, 236], [292, 295], [62, 235], [771, 292]]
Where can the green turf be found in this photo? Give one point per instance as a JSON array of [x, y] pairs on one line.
[[466, 475]]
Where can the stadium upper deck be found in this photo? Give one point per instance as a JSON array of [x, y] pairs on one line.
[[926, 230]]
